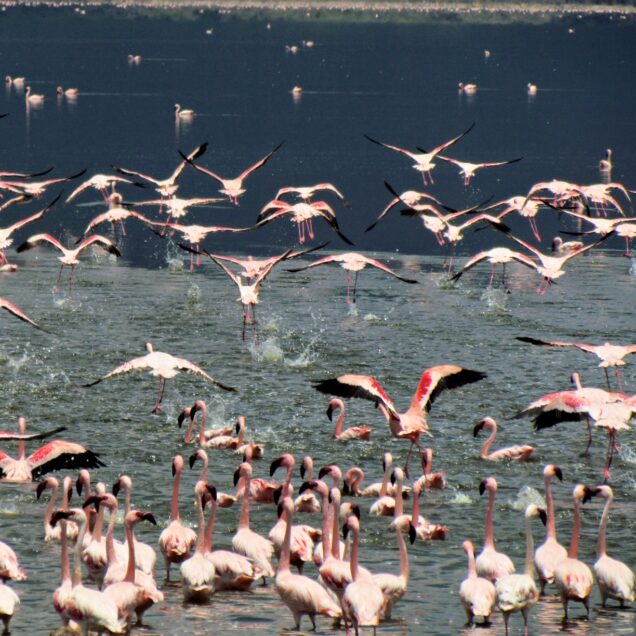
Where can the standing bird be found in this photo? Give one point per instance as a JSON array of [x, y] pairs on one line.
[[468, 169], [163, 365], [51, 483], [572, 577], [513, 453], [232, 188], [518, 592], [550, 553], [353, 432], [18, 313], [615, 579], [411, 423], [476, 593], [353, 262], [491, 564]]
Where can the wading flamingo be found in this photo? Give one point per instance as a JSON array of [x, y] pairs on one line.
[[430, 479], [572, 577], [160, 364], [70, 93], [518, 592], [418, 527], [550, 553], [10, 569], [52, 484], [467, 89], [477, 594], [354, 432], [513, 453], [222, 500], [307, 501], [615, 580], [491, 564], [209, 433], [62, 594], [411, 423]]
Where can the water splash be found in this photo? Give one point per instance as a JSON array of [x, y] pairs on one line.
[[461, 499], [194, 294], [371, 318], [175, 265], [496, 299], [526, 496], [352, 309], [269, 351], [632, 266]]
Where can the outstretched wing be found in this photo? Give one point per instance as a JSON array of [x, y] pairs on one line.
[[132, 365], [26, 437], [190, 367], [386, 269], [34, 240], [270, 266], [259, 163], [390, 147], [102, 241], [18, 313], [60, 454], [35, 216], [550, 409], [195, 154]]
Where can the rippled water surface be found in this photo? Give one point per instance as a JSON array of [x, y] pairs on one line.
[[396, 82]]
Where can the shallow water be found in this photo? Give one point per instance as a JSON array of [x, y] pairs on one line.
[[306, 330]]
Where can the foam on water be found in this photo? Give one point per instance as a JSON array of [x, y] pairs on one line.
[[495, 299], [526, 496], [268, 351]]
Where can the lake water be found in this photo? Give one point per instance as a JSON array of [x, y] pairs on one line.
[[394, 81]]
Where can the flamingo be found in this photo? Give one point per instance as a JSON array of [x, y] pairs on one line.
[[558, 246], [467, 89], [495, 256], [354, 432], [10, 569], [384, 500], [102, 183], [246, 541], [176, 541], [38, 188], [615, 579], [222, 499], [491, 564], [628, 232], [69, 256], [601, 226], [70, 93], [95, 554], [430, 479], [224, 442], [424, 160], [62, 594], [387, 506], [411, 423], [191, 412], [33, 98], [531, 88], [610, 355], [417, 526], [550, 553], [307, 501], [518, 592], [605, 165], [352, 480], [477, 594], [52, 456], [167, 187], [468, 169], [160, 364], [197, 572], [18, 313], [260, 490], [115, 214], [572, 577], [526, 207], [177, 208], [232, 188], [300, 593], [183, 113], [18, 81], [363, 600], [513, 453], [91, 608], [51, 483], [353, 262], [307, 192], [284, 461]]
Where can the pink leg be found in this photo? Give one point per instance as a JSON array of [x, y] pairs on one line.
[[617, 371], [59, 276], [535, 229], [586, 452], [301, 232], [310, 228], [628, 245], [610, 453], [348, 285], [159, 397]]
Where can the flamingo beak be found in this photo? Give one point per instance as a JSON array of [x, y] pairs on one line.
[[482, 487], [355, 509], [325, 470], [174, 472], [558, 473], [40, 489], [478, 428], [94, 500], [58, 515], [306, 485], [412, 533], [116, 487], [237, 476], [79, 486], [345, 531], [185, 413], [279, 509], [148, 516], [345, 489], [330, 412], [212, 490], [277, 495], [543, 516], [275, 465], [302, 470], [588, 494], [192, 460]]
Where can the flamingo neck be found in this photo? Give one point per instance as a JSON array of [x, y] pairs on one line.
[[335, 534], [130, 539], [489, 541], [286, 488], [399, 502], [99, 525], [244, 519], [326, 527], [415, 515], [404, 557], [283, 563], [174, 506], [309, 471], [241, 435], [472, 566], [204, 469], [77, 554], [209, 528], [204, 421], [573, 550], [22, 450], [529, 565], [65, 568], [188, 436], [354, 554], [385, 481], [549, 504], [49, 509], [337, 431], [355, 484], [127, 502], [111, 555], [485, 449], [200, 548], [602, 530]]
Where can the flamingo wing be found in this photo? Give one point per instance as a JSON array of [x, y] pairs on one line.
[[494, 164], [281, 206], [386, 269], [35, 216], [437, 379], [133, 173], [132, 365], [359, 386], [25, 437], [477, 258], [332, 258], [586, 248], [34, 240], [195, 154], [102, 241], [60, 454], [333, 223], [453, 141], [332, 188], [227, 270], [557, 343], [20, 198], [260, 162], [390, 147], [564, 406], [18, 313], [270, 266], [190, 367]]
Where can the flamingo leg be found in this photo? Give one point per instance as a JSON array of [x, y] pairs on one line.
[[301, 232], [157, 408], [70, 277], [492, 276], [59, 276], [610, 455], [617, 371], [628, 246], [609, 388], [535, 229], [586, 452], [348, 286], [355, 284], [191, 262], [198, 248], [310, 228]]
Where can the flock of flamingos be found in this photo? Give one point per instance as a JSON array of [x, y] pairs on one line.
[[122, 573]]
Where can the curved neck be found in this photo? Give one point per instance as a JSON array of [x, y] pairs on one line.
[[244, 519], [209, 528], [529, 566], [489, 541], [111, 555], [485, 449], [174, 506], [549, 504], [202, 428], [385, 480], [65, 568], [404, 557], [130, 539], [337, 431], [326, 527], [399, 502], [286, 489], [77, 554], [602, 530], [49, 509], [573, 550], [416, 507], [204, 469], [472, 566], [355, 484], [99, 524]]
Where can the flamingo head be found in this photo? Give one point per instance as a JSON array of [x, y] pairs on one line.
[[582, 493], [286, 506], [187, 412], [199, 454], [136, 516], [199, 405], [149, 347], [534, 511], [76, 514], [486, 422], [244, 470], [334, 405], [412, 533], [352, 525], [177, 465], [240, 423], [67, 486], [306, 465], [397, 476], [553, 470], [286, 461], [83, 479], [387, 461], [468, 546], [334, 498], [123, 483], [49, 482], [489, 484], [331, 470], [604, 491]]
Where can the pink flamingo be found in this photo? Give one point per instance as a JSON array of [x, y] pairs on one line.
[[430, 479], [491, 564], [495, 256], [513, 453], [51, 533], [222, 499], [417, 526], [94, 555], [572, 577], [307, 501], [160, 364], [424, 160], [307, 192], [101, 183], [62, 594], [10, 569], [476, 593], [176, 541], [301, 594], [52, 456], [261, 490], [354, 432], [232, 188], [38, 188], [550, 553], [615, 579], [525, 207], [116, 215], [387, 506], [468, 169], [412, 423], [190, 412], [18, 313]]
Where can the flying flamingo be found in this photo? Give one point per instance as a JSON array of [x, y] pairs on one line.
[[526, 207], [70, 256], [411, 423], [232, 188], [518, 592], [601, 226], [353, 262], [615, 580], [628, 232], [430, 479], [18, 313], [52, 484], [114, 215], [300, 593], [363, 600], [610, 355], [572, 577], [167, 187], [354, 432], [176, 541], [307, 192], [160, 364], [91, 608], [177, 208], [476, 593], [52, 456], [550, 553], [491, 564], [513, 453], [102, 183], [423, 160], [38, 188], [468, 169]]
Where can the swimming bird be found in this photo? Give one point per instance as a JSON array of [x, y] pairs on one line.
[[605, 165], [307, 501], [232, 188], [353, 262], [52, 484], [33, 98], [160, 364], [424, 160], [550, 553], [531, 88], [615, 579], [202, 407], [514, 453], [572, 577], [10, 569], [558, 246], [69, 93], [18, 313], [467, 89], [419, 527], [411, 423], [354, 432], [518, 592], [183, 113], [430, 479], [491, 564], [468, 169], [223, 500], [477, 594]]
